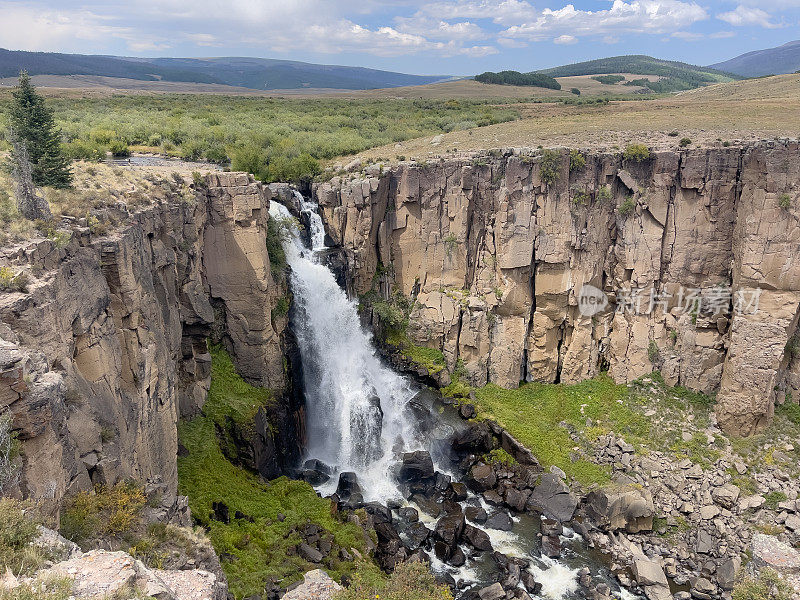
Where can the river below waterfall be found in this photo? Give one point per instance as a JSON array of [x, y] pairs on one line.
[[362, 416]]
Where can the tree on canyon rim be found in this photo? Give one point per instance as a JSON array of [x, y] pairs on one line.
[[33, 125]]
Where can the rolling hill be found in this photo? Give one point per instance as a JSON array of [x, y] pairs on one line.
[[252, 73], [673, 75], [772, 61]]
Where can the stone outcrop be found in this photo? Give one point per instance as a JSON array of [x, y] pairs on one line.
[[689, 255], [108, 349]]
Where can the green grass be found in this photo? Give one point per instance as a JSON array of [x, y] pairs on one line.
[[17, 531], [230, 395], [259, 548], [429, 358], [772, 499], [410, 581], [532, 414]]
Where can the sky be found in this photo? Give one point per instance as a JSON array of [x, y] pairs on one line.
[[435, 37]]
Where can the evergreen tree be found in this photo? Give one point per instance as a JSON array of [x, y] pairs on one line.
[[32, 121]]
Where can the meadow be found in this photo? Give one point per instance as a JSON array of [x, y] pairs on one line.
[[277, 139]]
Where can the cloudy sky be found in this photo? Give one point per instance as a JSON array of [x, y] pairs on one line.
[[414, 36]]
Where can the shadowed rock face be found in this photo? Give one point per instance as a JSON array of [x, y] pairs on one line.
[[497, 258], [108, 349]]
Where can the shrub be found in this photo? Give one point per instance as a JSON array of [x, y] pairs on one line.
[[792, 347], [604, 193], [577, 161], [785, 201], [52, 588], [410, 581], [772, 499], [767, 586], [276, 233], [685, 142], [110, 511], [626, 208], [549, 166], [575, 91], [653, 353], [9, 469], [11, 282], [450, 244], [281, 308], [636, 152], [120, 149], [673, 134], [17, 532]]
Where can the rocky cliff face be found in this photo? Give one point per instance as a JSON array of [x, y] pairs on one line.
[[107, 350], [693, 251]]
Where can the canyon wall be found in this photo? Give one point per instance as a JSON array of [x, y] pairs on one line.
[[108, 347], [692, 254]]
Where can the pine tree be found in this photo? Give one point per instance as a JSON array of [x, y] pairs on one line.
[[32, 121]]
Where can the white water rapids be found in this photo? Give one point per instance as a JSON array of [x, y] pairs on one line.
[[357, 408]]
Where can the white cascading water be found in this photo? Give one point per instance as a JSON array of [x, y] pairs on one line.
[[357, 417]]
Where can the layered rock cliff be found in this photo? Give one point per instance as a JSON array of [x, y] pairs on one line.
[[108, 347], [693, 250]]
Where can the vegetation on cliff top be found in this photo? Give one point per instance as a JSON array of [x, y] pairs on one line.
[[259, 547], [275, 139]]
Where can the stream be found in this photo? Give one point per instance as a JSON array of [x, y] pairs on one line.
[[362, 416]]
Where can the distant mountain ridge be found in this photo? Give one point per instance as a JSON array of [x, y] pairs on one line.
[[770, 61], [639, 64], [252, 73]]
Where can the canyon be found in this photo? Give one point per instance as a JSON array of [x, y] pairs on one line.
[[495, 249], [552, 266]]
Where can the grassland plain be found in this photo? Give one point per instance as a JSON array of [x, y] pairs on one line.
[[276, 139], [258, 546], [733, 113]]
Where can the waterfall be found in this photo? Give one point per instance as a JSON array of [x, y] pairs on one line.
[[357, 409], [356, 417]]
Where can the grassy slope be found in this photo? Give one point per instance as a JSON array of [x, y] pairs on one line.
[[259, 549], [533, 414]]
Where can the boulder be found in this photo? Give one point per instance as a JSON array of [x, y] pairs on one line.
[[552, 498], [551, 546], [492, 592], [449, 528], [647, 572], [310, 554], [416, 466], [476, 514], [482, 477], [769, 552], [627, 507], [477, 538], [348, 485], [725, 495], [317, 585], [475, 439], [499, 520]]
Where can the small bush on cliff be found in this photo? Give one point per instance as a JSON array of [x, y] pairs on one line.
[[577, 161], [549, 166], [275, 236], [410, 581], [9, 467], [685, 142], [626, 208], [785, 201], [109, 511], [636, 152]]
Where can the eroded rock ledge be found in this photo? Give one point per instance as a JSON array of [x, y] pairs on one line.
[[495, 251], [107, 350]]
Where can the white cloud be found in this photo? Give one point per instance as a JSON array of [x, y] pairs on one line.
[[688, 36], [637, 16], [565, 39], [747, 15], [30, 27]]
